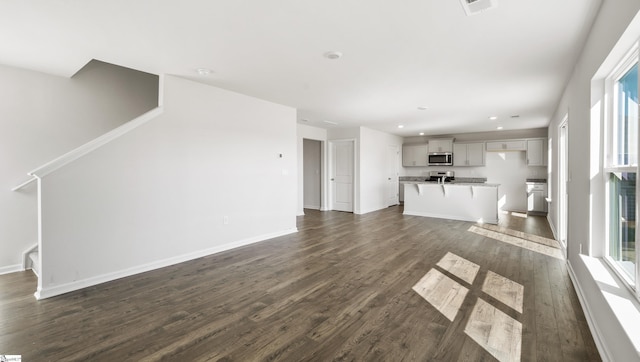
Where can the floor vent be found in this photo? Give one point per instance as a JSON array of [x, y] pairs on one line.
[[472, 7]]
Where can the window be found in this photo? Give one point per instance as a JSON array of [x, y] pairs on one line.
[[626, 118], [622, 220], [622, 170]]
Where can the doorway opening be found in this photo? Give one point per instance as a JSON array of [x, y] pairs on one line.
[[312, 174]]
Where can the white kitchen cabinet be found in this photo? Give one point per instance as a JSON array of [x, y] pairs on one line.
[[414, 155], [536, 198], [508, 145], [441, 145], [468, 154], [536, 152], [452, 201]]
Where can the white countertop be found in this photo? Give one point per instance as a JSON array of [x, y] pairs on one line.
[[451, 183]]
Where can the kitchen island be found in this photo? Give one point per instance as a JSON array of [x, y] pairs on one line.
[[477, 202]]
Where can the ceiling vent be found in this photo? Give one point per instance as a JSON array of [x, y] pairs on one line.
[[472, 7]]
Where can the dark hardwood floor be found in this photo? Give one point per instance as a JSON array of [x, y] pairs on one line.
[[339, 289]]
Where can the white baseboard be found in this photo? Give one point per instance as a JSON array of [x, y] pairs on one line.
[[11, 269], [312, 207], [588, 313], [52, 291], [25, 256], [553, 228]]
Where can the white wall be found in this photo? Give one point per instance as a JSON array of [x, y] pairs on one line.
[[373, 168], [586, 187], [370, 166], [510, 170], [162, 193], [44, 116], [313, 133]]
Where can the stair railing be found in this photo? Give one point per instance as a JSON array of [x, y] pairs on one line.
[[24, 184]]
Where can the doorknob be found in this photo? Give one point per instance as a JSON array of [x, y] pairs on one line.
[[332, 179], [389, 178]]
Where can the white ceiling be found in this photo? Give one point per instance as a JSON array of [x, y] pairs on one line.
[[397, 55]]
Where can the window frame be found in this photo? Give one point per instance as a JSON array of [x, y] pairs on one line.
[[631, 58]]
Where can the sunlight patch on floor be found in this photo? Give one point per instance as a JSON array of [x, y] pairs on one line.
[[522, 235], [460, 267], [505, 290], [514, 213], [525, 244], [442, 292], [495, 331]]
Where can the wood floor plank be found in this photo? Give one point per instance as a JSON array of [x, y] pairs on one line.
[[338, 289], [547, 334]]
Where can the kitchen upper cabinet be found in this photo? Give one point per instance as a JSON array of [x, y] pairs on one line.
[[509, 145], [414, 155], [441, 145], [536, 152], [468, 154]]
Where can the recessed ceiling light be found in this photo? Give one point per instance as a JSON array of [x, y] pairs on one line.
[[493, 118], [330, 122], [421, 133], [499, 128], [204, 71], [515, 116], [333, 55], [400, 126], [423, 108]]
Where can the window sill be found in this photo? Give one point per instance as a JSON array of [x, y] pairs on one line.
[[621, 300], [619, 269]]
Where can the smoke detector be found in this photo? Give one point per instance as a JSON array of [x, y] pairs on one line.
[[472, 7], [333, 55]]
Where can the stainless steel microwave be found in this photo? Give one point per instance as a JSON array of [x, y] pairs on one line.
[[440, 159]]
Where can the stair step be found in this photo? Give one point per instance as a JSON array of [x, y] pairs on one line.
[[35, 262]]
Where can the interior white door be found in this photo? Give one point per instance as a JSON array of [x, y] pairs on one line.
[[392, 175], [342, 171]]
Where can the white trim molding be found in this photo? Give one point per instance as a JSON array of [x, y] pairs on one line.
[[96, 143], [588, 313], [10, 269], [552, 227], [24, 184], [25, 256]]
